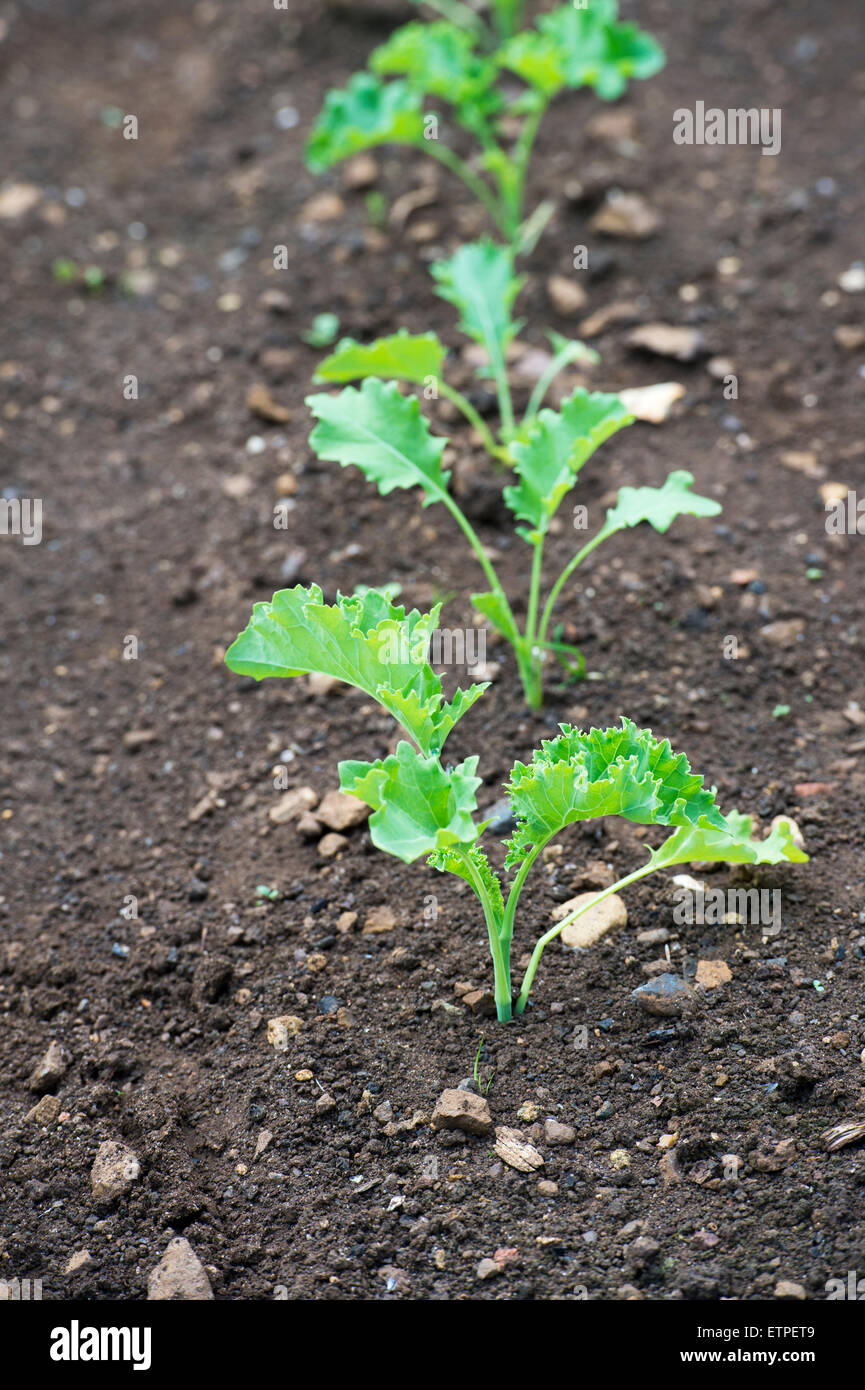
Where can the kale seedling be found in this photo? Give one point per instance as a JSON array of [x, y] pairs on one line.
[[569, 48], [384, 433], [424, 807]]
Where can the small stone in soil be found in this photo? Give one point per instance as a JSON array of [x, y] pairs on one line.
[[331, 844], [180, 1275], [667, 996], [340, 811], [115, 1169], [281, 1030], [50, 1070], [456, 1109], [515, 1151]]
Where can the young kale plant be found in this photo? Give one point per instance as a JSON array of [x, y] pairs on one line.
[[569, 48], [422, 806], [384, 433]]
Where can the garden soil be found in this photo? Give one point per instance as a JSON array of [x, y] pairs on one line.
[[140, 774]]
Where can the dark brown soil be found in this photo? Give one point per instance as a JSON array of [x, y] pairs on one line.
[[164, 1016]]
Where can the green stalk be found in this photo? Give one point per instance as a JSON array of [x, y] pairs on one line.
[[507, 931], [521, 153], [462, 404], [501, 957], [571, 352], [565, 922], [474, 541], [534, 693], [472, 181], [563, 579]]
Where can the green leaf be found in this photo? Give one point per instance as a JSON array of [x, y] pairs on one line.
[[366, 113], [384, 434], [731, 844], [659, 505], [419, 807], [479, 280], [574, 47], [556, 446], [494, 607], [364, 640], [446, 861], [402, 356], [605, 772], [439, 59]]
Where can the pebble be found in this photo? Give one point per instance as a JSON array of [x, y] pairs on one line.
[[849, 336], [566, 295], [17, 199], [652, 403], [179, 1275], [654, 936], [852, 280], [309, 827], [323, 207], [528, 1112], [712, 973], [293, 804], [332, 844], [379, 919], [281, 1030], [515, 1151], [456, 1109], [45, 1111], [666, 996], [547, 1188], [115, 1169], [261, 403], [361, 172], [488, 1269], [784, 633], [80, 1260], [340, 811], [325, 1105], [606, 915], [626, 215], [557, 1133], [667, 340], [50, 1070], [785, 1288]]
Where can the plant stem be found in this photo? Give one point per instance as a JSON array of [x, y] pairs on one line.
[[520, 155], [474, 541], [570, 352], [565, 922], [514, 894], [472, 180], [563, 579], [534, 694], [500, 955], [483, 429]]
